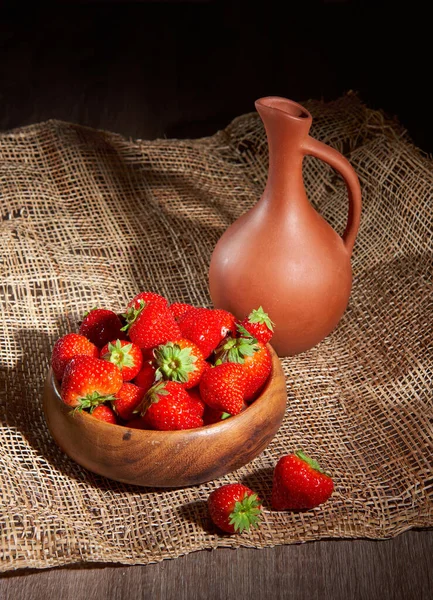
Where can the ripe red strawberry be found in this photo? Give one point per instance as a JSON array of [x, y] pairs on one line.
[[151, 324], [68, 346], [179, 308], [180, 361], [223, 387], [299, 483], [253, 356], [197, 403], [167, 406], [126, 355], [227, 320], [147, 298], [212, 416], [88, 382], [259, 325], [104, 413], [234, 508], [127, 399], [146, 377], [206, 327], [257, 368], [138, 423], [100, 326]]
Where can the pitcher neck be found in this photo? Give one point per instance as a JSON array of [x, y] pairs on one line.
[[287, 125]]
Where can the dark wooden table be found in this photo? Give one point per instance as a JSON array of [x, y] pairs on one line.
[[184, 70], [400, 568]]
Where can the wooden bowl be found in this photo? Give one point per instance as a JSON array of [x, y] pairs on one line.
[[167, 458]]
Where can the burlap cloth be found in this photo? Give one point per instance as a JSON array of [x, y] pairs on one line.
[[90, 218]]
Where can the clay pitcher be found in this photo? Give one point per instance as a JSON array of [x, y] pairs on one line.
[[282, 254]]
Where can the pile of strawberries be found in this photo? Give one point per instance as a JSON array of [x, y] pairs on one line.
[[163, 366], [167, 367]]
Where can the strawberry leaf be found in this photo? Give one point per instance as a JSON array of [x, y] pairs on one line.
[[235, 350], [245, 333], [120, 355], [246, 513], [174, 363], [132, 314], [258, 315], [310, 461], [152, 396]]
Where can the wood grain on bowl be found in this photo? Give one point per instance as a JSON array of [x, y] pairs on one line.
[[167, 458]]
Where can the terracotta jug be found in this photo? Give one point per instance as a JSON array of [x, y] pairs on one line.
[[282, 254]]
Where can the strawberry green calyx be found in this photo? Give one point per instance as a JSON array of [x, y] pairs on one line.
[[258, 315], [132, 314], [246, 513], [91, 401], [311, 462], [235, 350], [120, 355], [244, 333], [152, 396], [174, 363]]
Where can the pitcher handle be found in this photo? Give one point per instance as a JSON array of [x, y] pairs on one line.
[[339, 163]]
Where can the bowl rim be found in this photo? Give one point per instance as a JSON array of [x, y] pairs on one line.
[[214, 427]]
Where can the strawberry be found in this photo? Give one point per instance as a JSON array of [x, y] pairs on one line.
[[227, 320], [88, 382], [148, 298], [68, 346], [299, 483], [234, 508], [197, 405], [212, 416], [104, 413], [167, 406], [146, 377], [151, 324], [254, 357], [178, 309], [138, 423], [180, 361], [127, 399], [100, 326], [257, 368], [147, 355], [126, 355], [223, 387], [259, 325], [206, 327]]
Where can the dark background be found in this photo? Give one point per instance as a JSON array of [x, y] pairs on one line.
[[185, 69]]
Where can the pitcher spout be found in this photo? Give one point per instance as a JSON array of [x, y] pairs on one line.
[[282, 117]]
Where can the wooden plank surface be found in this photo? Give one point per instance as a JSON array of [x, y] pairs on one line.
[[400, 568]]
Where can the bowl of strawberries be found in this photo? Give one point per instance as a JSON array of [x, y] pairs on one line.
[[165, 395]]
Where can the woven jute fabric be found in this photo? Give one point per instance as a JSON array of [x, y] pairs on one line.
[[90, 219]]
